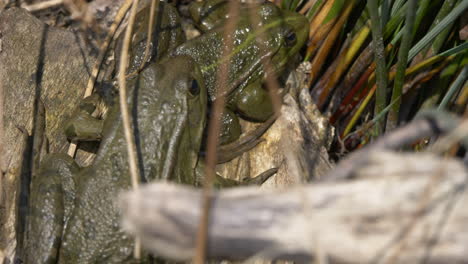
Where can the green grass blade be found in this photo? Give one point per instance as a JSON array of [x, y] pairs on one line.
[[426, 40], [395, 21], [454, 50], [396, 6], [379, 55], [454, 88], [447, 6], [385, 13], [401, 65]]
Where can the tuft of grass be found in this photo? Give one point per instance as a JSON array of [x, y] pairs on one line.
[[413, 46]]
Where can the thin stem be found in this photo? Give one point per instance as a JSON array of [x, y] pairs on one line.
[[214, 127], [461, 79], [149, 34], [379, 55], [401, 65], [271, 81], [2, 142], [126, 118]]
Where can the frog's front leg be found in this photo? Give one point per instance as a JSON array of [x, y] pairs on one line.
[[83, 125], [253, 102], [50, 203]]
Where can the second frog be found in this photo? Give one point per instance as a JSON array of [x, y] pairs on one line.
[[273, 33]]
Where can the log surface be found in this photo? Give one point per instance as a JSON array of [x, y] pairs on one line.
[[36, 62], [405, 213]]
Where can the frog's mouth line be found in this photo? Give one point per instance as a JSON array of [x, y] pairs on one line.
[[171, 155]]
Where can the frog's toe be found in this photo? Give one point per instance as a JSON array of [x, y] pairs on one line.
[[261, 178]]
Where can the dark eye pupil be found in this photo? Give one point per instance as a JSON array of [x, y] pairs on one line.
[[194, 88], [290, 38]]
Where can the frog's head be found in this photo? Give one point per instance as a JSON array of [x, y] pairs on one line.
[[189, 84], [172, 106], [282, 33], [261, 30]]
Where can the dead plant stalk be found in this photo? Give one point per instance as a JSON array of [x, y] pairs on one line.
[[126, 118]]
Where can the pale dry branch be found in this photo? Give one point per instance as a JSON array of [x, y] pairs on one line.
[[42, 5], [126, 118], [428, 124], [359, 221], [446, 142]]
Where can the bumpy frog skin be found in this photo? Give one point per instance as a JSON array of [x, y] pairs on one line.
[[167, 35], [284, 33], [74, 218]]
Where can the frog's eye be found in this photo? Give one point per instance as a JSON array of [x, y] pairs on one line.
[[194, 87], [290, 38]]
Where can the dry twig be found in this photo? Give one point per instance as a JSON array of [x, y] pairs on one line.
[[126, 118], [213, 133], [42, 5]]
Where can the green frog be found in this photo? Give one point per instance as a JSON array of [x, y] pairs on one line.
[[74, 218], [275, 34]]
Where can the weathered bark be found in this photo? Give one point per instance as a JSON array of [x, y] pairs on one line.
[[403, 208], [36, 61], [297, 143]]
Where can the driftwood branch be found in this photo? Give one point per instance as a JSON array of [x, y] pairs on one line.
[[428, 124], [410, 212]]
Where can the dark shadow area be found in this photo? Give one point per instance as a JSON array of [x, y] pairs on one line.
[[83, 52], [157, 30], [136, 130], [33, 146]]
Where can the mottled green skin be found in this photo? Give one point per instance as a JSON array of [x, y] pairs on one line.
[[278, 33], [245, 57], [167, 35], [74, 214], [231, 129], [208, 14]]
